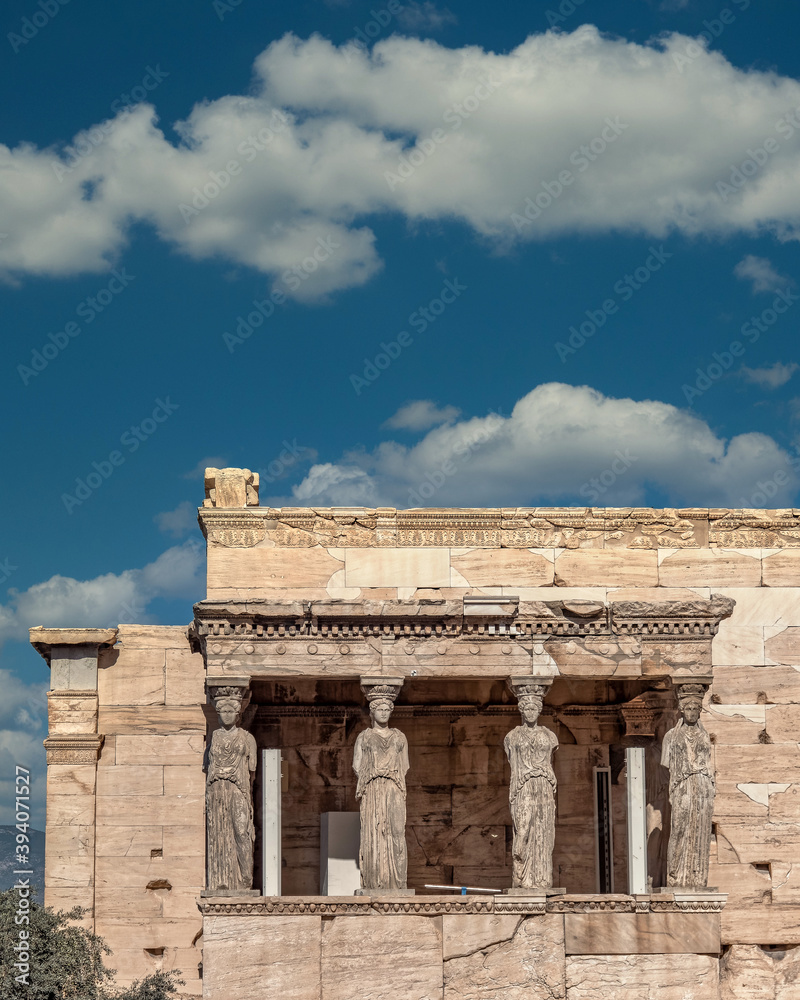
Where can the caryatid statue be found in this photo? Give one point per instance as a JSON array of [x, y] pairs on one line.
[[230, 766], [532, 794], [380, 759], [686, 751]]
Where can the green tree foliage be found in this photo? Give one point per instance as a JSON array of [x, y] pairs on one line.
[[66, 961]]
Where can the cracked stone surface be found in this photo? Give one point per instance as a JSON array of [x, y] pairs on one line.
[[528, 965]]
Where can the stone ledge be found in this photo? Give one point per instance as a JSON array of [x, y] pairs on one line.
[[608, 904]]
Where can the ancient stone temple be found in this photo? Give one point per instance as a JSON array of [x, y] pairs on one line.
[[548, 754]]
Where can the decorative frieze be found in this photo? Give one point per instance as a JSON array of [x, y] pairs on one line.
[[73, 748], [433, 905], [543, 527]]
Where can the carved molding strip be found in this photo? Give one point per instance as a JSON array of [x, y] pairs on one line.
[[433, 905], [526, 527], [264, 620], [67, 748]]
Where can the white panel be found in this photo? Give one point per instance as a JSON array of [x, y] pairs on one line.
[[339, 842], [271, 780], [637, 821]]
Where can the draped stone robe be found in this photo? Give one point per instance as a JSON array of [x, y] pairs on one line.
[[230, 759], [533, 804], [686, 752], [381, 764]]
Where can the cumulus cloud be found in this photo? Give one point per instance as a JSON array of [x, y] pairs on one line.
[[561, 443], [761, 273], [105, 600], [420, 414], [770, 376], [287, 179], [178, 522]]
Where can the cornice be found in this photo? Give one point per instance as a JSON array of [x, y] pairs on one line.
[[520, 527]]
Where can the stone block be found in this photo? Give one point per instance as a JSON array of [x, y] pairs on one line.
[[740, 802], [70, 779], [781, 569], [763, 606], [746, 973], [70, 841], [753, 685], [746, 884], [504, 568], [128, 841], [516, 958], [264, 568], [738, 644], [375, 956], [152, 636], [642, 977], [180, 748], [710, 568], [136, 678], [73, 668], [767, 924], [783, 723], [139, 872], [641, 933], [185, 678], [763, 763], [782, 645], [734, 724], [606, 568], [144, 810], [410, 567], [189, 839], [184, 779], [127, 780], [481, 806], [757, 844], [784, 803], [71, 713]]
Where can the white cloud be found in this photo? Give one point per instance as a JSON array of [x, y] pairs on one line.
[[556, 442], [420, 414], [763, 275], [105, 600], [770, 376], [425, 16], [180, 521], [324, 126]]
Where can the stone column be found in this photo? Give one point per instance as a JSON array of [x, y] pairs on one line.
[[380, 760], [73, 747], [230, 765], [532, 795]]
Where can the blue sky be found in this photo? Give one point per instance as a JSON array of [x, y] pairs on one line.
[[382, 253]]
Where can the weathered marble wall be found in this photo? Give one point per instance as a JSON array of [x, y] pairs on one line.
[[150, 828], [126, 836]]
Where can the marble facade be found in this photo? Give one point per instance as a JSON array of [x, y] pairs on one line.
[[611, 611]]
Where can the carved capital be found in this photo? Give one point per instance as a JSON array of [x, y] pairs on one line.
[[67, 748], [529, 686], [386, 688]]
